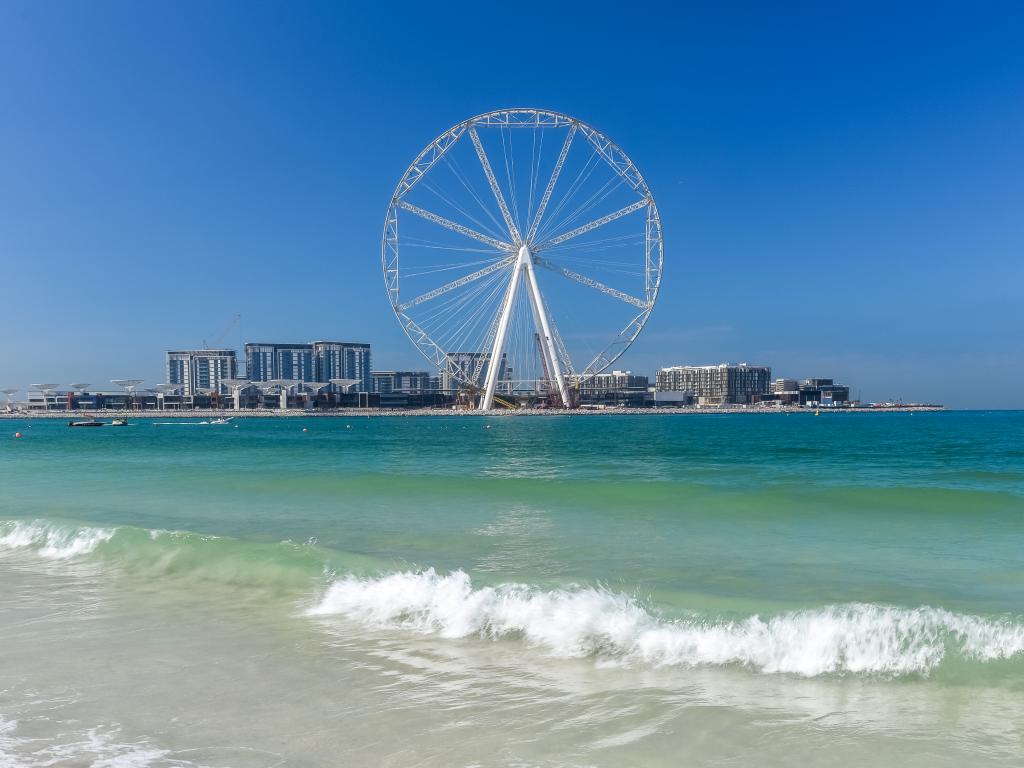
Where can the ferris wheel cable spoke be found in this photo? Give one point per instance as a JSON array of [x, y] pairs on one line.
[[458, 337], [439, 247], [484, 226], [582, 176], [592, 225], [463, 302], [488, 343], [465, 279], [590, 204], [489, 173], [549, 188], [458, 301], [449, 224], [456, 169], [591, 282], [510, 170], [632, 238], [590, 166], [447, 268], [534, 173], [443, 313]]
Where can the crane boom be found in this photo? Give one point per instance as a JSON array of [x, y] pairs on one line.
[[223, 334]]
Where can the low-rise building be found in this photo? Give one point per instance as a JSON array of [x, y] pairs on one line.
[[823, 392], [405, 382], [623, 388]]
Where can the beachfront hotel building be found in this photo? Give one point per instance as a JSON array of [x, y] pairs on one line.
[[267, 362], [722, 384], [201, 370], [314, 361], [343, 360]]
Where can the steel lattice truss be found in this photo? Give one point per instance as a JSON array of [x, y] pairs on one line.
[[499, 207]]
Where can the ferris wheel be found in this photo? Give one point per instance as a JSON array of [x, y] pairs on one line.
[[522, 254]]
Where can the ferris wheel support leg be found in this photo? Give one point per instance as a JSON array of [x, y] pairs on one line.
[[545, 330], [494, 362]]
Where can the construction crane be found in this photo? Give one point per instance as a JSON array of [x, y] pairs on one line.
[[223, 334], [553, 399]]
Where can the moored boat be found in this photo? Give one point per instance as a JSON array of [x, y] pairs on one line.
[[91, 423]]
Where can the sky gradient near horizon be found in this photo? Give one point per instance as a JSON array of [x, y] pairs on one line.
[[840, 185]]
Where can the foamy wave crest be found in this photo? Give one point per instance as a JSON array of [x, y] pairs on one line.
[[51, 540], [585, 621]]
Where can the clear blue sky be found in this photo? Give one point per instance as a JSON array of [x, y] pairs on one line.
[[840, 184]]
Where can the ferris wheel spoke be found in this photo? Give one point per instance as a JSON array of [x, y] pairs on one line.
[[591, 282], [489, 172], [546, 197], [592, 225], [464, 280], [449, 224]]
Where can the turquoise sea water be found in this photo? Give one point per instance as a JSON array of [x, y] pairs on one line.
[[566, 590]]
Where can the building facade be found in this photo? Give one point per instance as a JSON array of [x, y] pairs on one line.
[[201, 370], [267, 362], [405, 382], [717, 384], [316, 361], [823, 392], [615, 388], [343, 360]]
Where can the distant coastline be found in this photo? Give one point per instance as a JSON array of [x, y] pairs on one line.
[[416, 412]]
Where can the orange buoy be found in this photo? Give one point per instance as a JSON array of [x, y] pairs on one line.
[[17, 434]]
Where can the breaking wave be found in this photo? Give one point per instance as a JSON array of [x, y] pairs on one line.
[[571, 622], [51, 540], [613, 627]]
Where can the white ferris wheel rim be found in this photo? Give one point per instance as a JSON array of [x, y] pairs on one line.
[[615, 158]]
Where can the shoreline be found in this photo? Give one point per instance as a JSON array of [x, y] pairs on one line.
[[419, 412]]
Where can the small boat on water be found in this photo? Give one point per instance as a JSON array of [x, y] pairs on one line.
[[91, 423], [119, 422]]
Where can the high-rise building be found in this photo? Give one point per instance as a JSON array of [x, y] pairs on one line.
[[716, 384], [201, 370], [343, 360], [266, 362], [405, 382]]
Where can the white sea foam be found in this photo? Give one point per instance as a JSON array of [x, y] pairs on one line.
[[95, 748], [50, 540], [583, 621]]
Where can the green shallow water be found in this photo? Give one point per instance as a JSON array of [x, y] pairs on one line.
[[849, 583]]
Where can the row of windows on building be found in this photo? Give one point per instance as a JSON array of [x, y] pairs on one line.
[[201, 370]]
